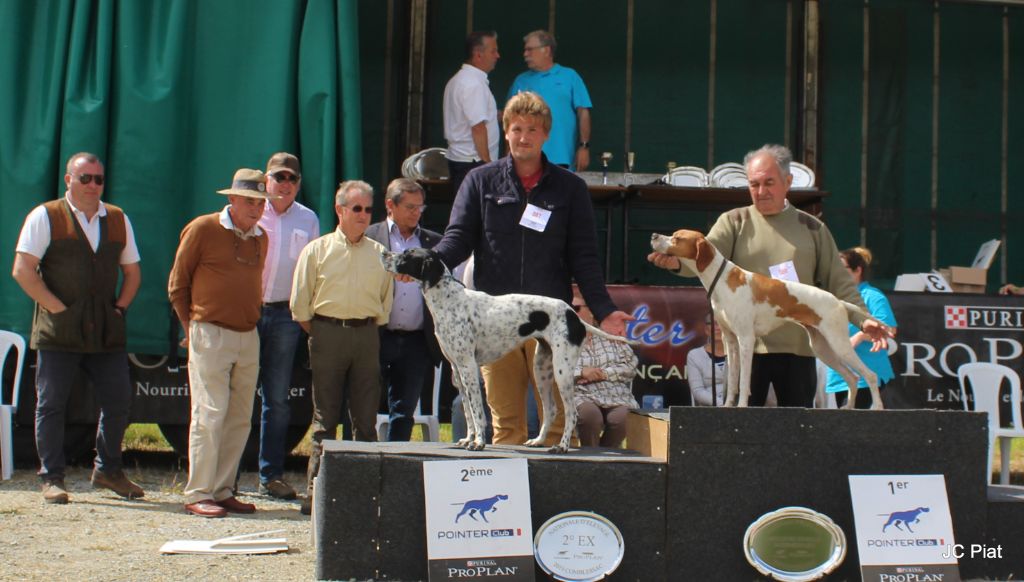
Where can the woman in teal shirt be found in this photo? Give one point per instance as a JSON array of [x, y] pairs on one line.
[[857, 260]]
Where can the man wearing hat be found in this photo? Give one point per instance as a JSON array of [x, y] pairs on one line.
[[215, 288], [289, 226]]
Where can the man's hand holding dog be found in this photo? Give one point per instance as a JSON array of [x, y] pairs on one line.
[[615, 323], [878, 333], [664, 261]]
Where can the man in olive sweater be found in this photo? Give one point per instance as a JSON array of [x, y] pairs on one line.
[[69, 255], [773, 238], [215, 288]]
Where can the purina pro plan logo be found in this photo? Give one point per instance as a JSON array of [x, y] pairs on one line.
[[984, 317]]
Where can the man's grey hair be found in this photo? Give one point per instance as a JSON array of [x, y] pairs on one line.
[[346, 187], [89, 158], [543, 37], [475, 41], [780, 153], [400, 186]]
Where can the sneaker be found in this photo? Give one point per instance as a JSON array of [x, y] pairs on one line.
[[117, 482], [55, 492], [277, 489]]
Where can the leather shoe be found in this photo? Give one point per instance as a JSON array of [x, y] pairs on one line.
[[55, 492], [233, 505], [117, 482], [205, 508], [277, 488], [306, 508]]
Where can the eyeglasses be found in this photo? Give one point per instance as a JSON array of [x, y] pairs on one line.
[[578, 306], [87, 178], [528, 49], [252, 262], [282, 176], [360, 208], [415, 207]]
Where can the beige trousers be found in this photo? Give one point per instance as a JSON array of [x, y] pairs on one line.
[[223, 367], [505, 382]]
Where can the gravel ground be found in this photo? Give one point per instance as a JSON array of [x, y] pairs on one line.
[[100, 536]]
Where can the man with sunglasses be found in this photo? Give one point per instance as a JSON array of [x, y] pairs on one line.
[[215, 288], [408, 347], [341, 295], [69, 256], [289, 226]]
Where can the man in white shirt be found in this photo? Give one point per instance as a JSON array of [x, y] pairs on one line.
[[69, 256], [470, 112], [289, 226]]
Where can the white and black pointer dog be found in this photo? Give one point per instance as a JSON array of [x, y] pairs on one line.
[[474, 328], [750, 305]]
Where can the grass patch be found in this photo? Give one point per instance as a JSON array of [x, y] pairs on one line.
[[145, 437]]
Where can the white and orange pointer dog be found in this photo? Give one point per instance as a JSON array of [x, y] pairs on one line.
[[750, 305]]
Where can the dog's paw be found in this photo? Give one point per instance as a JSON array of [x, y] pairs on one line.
[[475, 446], [877, 406], [559, 449], [464, 442], [534, 443]]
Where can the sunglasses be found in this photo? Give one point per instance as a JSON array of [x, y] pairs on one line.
[[240, 254], [87, 178], [360, 208], [285, 176]]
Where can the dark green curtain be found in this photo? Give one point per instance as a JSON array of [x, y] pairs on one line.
[[174, 96]]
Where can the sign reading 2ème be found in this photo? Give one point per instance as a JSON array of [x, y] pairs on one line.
[[903, 527], [478, 520]]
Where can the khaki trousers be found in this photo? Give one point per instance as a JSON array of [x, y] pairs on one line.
[[505, 382], [223, 366]]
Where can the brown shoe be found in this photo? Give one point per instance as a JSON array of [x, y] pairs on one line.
[[277, 489], [233, 505], [117, 482], [307, 506], [205, 508], [54, 492]]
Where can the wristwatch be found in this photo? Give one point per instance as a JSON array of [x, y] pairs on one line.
[[583, 144]]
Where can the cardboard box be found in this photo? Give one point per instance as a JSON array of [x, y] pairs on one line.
[[966, 279]]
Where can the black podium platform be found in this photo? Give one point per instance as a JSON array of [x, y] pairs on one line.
[[683, 519]]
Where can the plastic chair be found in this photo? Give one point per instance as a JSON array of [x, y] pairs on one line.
[[986, 378], [430, 422], [8, 340]]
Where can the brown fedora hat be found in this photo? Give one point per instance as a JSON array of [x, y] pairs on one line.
[[250, 183]]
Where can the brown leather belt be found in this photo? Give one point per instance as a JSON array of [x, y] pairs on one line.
[[344, 322]]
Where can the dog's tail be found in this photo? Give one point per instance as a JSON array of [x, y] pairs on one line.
[[606, 335], [852, 310]]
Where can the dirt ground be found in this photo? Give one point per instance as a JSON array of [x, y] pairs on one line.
[[100, 536]]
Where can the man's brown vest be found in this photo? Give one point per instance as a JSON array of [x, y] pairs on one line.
[[84, 280]]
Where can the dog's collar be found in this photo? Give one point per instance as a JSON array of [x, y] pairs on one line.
[[718, 275]]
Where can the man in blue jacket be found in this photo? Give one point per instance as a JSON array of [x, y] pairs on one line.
[[529, 225]]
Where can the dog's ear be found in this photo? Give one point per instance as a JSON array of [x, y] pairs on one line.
[[705, 253], [432, 269]]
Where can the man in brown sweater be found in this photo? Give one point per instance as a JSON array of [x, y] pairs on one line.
[[215, 288]]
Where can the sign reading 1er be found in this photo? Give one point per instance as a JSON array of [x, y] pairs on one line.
[[478, 520], [904, 529]]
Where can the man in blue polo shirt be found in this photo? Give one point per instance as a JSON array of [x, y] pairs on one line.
[[563, 90]]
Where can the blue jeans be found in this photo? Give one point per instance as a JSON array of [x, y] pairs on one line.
[[404, 362], [55, 376], [279, 337]]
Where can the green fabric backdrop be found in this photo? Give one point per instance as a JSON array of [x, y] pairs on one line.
[[174, 96]]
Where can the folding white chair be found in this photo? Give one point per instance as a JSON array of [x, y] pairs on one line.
[[8, 340], [986, 378], [431, 424]]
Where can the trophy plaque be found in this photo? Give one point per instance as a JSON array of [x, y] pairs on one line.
[[578, 546], [794, 544]]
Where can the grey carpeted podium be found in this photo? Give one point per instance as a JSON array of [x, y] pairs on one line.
[[682, 518]]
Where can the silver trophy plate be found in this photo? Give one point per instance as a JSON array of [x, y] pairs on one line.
[[794, 544], [578, 546]]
